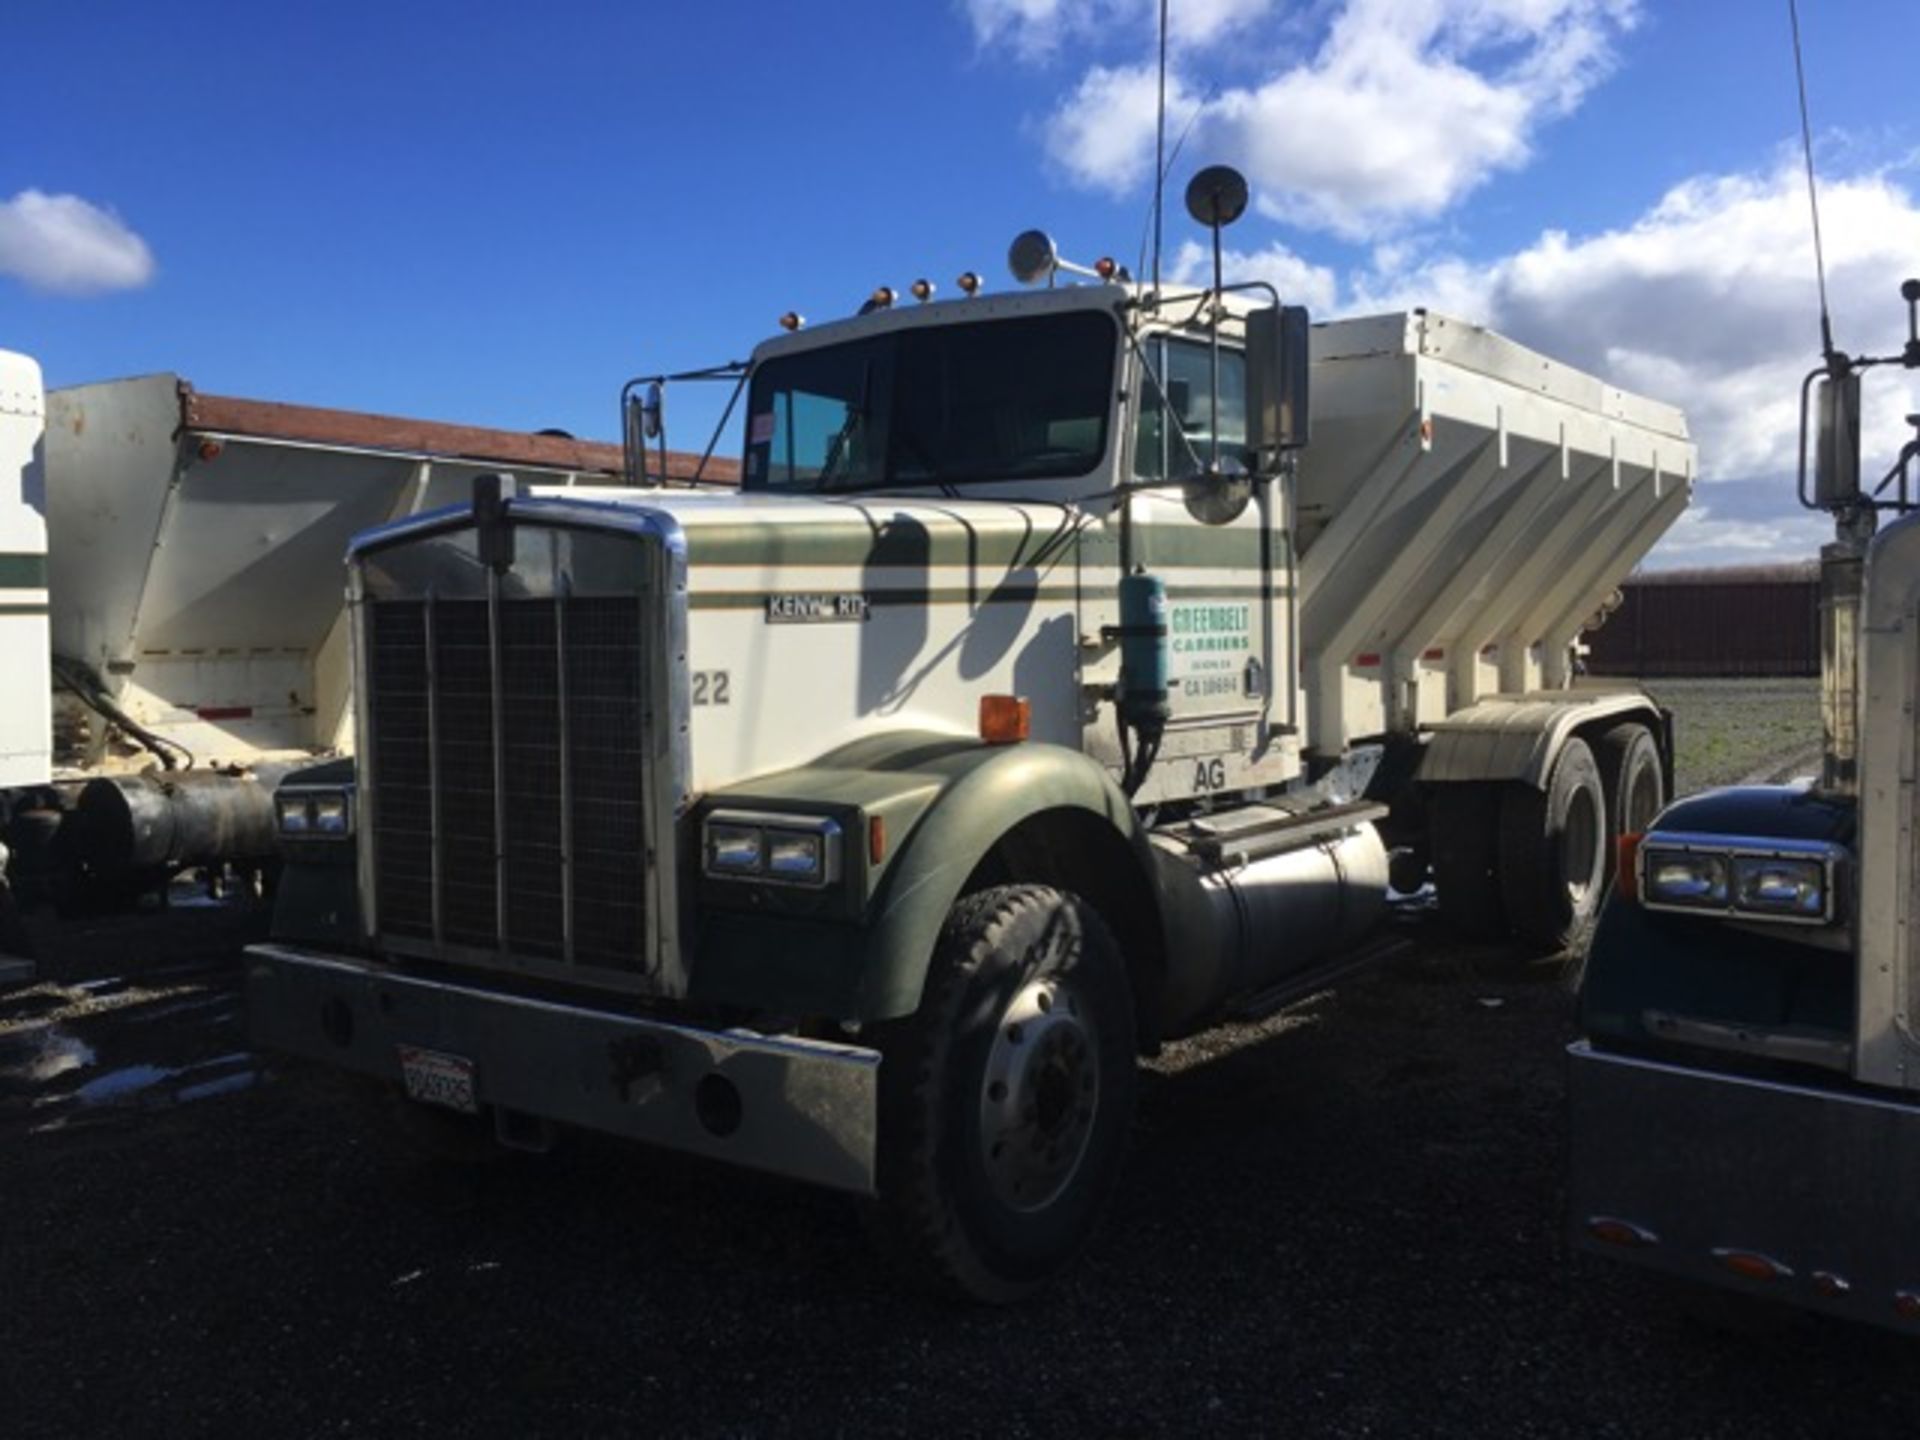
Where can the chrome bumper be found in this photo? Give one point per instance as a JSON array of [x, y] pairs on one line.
[[1799, 1194], [801, 1108]]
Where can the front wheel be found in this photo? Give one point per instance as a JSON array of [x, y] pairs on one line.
[[1006, 1099]]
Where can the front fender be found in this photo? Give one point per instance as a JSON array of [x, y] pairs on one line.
[[945, 803]]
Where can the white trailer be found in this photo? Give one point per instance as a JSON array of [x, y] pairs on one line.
[[1046, 693], [173, 620]]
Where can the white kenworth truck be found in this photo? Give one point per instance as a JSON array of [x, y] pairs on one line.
[[1043, 696], [1745, 1100]]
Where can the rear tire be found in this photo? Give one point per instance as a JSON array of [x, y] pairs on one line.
[[1629, 762], [1006, 1098], [1463, 840], [1553, 851]]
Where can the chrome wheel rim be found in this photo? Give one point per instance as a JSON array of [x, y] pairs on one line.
[[1039, 1095]]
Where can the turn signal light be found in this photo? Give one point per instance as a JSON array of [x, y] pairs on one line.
[[968, 282], [1626, 867], [792, 320], [1005, 719]]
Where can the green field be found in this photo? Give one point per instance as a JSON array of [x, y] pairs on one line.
[[1729, 731]]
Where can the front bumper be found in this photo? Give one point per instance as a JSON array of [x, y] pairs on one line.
[[1800, 1194], [801, 1108]]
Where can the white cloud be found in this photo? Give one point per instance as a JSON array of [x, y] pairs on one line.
[[1406, 107], [66, 245], [1299, 281], [1036, 29]]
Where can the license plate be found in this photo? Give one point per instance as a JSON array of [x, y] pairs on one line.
[[435, 1078]]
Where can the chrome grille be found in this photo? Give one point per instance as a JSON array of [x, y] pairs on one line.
[[506, 764]]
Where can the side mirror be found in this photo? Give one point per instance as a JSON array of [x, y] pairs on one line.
[[1836, 474], [1277, 360]]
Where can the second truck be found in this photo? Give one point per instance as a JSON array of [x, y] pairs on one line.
[[1047, 693]]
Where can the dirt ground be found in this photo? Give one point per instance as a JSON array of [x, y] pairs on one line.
[[1344, 1220]]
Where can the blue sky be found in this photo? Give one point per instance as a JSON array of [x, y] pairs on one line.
[[494, 213]]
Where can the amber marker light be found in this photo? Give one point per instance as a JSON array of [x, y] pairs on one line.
[[1005, 719], [968, 282], [876, 839], [882, 298], [1105, 268], [209, 450], [922, 290], [1626, 867], [792, 320]]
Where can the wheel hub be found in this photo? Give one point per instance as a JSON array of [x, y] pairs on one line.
[[1040, 1094]]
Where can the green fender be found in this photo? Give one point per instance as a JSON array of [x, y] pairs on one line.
[[945, 803]]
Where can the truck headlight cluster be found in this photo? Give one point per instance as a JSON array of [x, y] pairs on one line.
[[784, 849], [1757, 879], [313, 814]]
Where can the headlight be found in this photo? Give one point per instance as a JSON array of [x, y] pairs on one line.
[[330, 814], [733, 849], [313, 814], [793, 857], [784, 849], [1741, 876], [293, 814], [1680, 877], [1777, 885]]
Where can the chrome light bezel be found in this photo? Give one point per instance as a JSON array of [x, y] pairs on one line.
[[296, 814], [1731, 850], [770, 826]]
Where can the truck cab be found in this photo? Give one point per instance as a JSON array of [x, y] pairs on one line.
[[1743, 1100], [1060, 678]]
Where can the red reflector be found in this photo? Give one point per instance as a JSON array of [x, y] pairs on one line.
[[1437, 653], [1616, 1231], [1626, 871], [1367, 659], [1752, 1265], [225, 712], [1906, 1304]]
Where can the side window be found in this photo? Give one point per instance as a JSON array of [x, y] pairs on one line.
[[1186, 372]]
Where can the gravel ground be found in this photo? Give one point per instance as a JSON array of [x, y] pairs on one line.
[[1344, 1220]]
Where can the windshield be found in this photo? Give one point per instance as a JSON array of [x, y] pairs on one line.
[[936, 405]]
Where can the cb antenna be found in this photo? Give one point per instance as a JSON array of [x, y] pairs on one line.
[[1160, 149], [1813, 194]]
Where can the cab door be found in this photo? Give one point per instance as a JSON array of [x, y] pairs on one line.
[[1228, 580]]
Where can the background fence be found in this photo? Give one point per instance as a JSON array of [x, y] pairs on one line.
[[1743, 620]]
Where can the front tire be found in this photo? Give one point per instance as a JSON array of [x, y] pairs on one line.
[[1006, 1098]]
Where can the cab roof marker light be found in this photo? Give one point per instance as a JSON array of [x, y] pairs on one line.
[[793, 320], [923, 290], [969, 283]]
